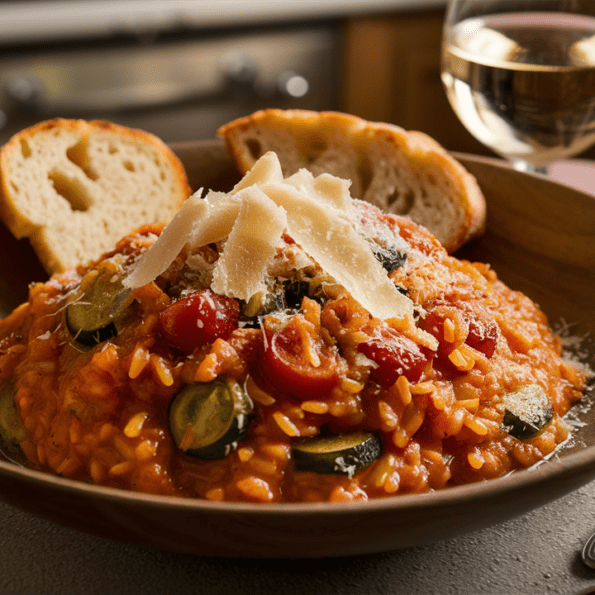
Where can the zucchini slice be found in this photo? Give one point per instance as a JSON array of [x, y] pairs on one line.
[[208, 419], [293, 293], [390, 258], [527, 411], [339, 453], [12, 430], [92, 318]]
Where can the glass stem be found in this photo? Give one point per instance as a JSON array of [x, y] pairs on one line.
[[525, 166]]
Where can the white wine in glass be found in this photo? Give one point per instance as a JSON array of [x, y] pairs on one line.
[[520, 76]]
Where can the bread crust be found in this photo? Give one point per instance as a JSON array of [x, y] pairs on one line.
[[62, 159], [355, 140]]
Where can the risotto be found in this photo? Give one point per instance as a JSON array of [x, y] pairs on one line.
[[284, 375]]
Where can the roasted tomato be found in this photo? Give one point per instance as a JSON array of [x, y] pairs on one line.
[[479, 332], [483, 335], [394, 355], [199, 318], [297, 363]]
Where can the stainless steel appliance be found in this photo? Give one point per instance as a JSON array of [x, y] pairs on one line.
[[180, 84]]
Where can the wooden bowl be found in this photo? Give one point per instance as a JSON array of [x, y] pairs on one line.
[[540, 239]]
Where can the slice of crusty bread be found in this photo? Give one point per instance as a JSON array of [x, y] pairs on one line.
[[402, 172], [74, 188]]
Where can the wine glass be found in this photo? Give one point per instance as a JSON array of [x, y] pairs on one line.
[[520, 75]]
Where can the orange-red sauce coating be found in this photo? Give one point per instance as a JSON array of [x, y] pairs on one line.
[[100, 415]]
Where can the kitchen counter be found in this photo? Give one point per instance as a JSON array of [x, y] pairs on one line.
[[23, 22], [535, 554]]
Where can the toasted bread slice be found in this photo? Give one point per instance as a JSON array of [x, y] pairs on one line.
[[402, 172], [74, 188]]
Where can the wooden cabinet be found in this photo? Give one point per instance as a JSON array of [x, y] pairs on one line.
[[391, 73]]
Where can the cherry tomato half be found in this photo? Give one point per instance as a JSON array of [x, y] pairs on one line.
[[199, 318], [394, 355], [288, 368], [482, 331], [483, 335]]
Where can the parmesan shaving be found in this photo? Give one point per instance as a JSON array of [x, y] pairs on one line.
[[241, 268], [200, 221], [317, 213], [168, 245], [340, 251], [266, 169], [326, 189], [223, 211]]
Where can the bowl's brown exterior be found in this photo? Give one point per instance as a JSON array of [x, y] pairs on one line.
[[540, 239]]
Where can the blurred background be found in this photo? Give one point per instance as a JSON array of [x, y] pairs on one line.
[[181, 68]]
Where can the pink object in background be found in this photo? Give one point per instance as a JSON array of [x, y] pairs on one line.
[[577, 173]]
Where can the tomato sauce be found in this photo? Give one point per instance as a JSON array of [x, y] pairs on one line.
[[430, 390]]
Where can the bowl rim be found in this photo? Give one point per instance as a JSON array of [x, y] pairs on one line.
[[557, 466]]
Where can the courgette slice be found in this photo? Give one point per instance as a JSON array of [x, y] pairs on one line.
[[93, 317], [339, 453], [208, 419], [287, 296], [12, 430], [391, 258], [293, 293], [527, 411]]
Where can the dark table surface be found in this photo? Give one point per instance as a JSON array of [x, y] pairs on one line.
[[537, 553]]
